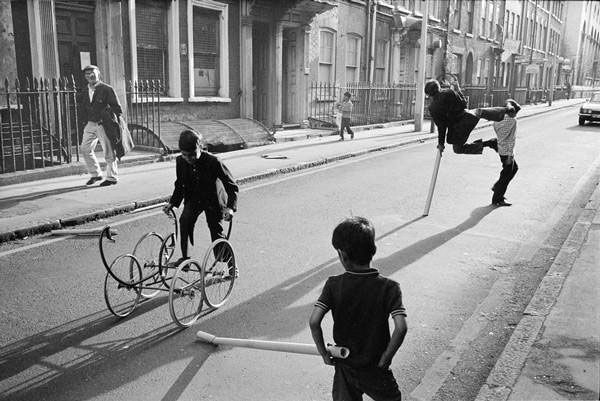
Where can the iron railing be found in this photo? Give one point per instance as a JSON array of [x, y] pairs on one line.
[[143, 105], [38, 124], [372, 103]]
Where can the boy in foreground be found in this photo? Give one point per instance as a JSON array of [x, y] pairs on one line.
[[361, 302], [198, 173]]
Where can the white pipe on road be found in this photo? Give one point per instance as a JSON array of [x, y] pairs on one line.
[[296, 348]]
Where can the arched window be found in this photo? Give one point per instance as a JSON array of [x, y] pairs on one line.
[[469, 70]]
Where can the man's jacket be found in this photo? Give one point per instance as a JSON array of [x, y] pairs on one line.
[[201, 182], [104, 100]]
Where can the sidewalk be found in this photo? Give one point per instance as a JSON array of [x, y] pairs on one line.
[[554, 352], [33, 207]]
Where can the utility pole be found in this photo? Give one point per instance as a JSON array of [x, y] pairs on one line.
[[420, 95], [531, 50]]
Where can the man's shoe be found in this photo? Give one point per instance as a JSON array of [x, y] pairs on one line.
[[502, 203], [93, 180], [106, 183]]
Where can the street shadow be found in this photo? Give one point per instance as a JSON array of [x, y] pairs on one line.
[[280, 312], [588, 127], [10, 201], [39, 349], [416, 251]]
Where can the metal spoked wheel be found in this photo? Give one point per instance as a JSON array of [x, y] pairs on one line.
[[147, 252], [185, 294], [219, 272], [123, 295], [167, 250]]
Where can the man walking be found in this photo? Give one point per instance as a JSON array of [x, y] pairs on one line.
[[98, 102]]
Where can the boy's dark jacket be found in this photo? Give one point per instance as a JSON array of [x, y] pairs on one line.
[[201, 182]]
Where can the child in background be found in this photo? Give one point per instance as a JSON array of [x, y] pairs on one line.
[[506, 132], [361, 301], [345, 107]]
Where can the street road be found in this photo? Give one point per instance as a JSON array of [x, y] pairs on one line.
[[467, 271]]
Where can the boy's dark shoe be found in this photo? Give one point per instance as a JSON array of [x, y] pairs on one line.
[[107, 183], [501, 203], [93, 180], [492, 144]]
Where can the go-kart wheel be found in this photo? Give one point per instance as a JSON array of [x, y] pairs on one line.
[[167, 249], [219, 272], [147, 252], [185, 294], [123, 295]]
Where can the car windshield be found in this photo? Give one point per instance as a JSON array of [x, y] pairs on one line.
[[595, 98]]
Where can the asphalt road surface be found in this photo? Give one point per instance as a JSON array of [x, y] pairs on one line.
[[467, 272]]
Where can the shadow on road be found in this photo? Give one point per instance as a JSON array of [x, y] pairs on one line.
[[124, 360], [11, 201]]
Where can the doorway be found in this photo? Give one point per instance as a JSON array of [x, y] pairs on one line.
[[75, 35], [289, 78], [260, 72]]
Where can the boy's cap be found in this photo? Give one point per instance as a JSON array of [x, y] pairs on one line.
[[514, 104], [90, 67]]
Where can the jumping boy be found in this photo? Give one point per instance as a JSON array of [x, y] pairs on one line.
[[345, 107], [198, 173], [506, 132], [361, 301]]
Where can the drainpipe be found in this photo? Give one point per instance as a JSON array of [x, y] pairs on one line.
[[372, 50]]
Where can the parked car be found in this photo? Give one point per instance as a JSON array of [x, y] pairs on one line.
[[590, 111]]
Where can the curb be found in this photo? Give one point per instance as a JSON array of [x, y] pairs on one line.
[[504, 375], [129, 207]]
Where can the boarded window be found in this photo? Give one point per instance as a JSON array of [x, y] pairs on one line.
[[152, 41], [206, 52]]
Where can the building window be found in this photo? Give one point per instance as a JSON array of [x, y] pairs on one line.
[[482, 24], [353, 46], [380, 61], [153, 40], [518, 34], [478, 76], [470, 8], [457, 13], [208, 50], [326, 56]]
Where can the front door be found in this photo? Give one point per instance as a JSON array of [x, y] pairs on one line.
[[290, 76], [75, 34], [260, 71]]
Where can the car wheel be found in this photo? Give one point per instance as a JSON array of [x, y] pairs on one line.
[[581, 121]]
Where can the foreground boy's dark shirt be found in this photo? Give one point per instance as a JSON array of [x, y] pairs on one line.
[[197, 182], [361, 303]]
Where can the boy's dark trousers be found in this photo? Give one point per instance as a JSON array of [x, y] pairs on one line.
[[346, 125], [349, 384], [506, 175], [187, 221]]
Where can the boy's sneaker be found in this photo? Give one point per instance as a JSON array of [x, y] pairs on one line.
[[93, 180]]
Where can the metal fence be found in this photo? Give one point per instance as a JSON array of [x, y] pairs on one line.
[[143, 105], [38, 124], [372, 103]]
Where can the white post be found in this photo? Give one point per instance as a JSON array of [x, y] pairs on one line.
[[420, 95], [434, 175]]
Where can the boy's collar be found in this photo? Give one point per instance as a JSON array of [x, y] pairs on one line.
[[368, 272]]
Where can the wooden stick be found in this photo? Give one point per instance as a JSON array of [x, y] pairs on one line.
[[434, 175], [83, 231], [296, 348]]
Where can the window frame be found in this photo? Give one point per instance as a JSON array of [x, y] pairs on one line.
[[332, 55], [174, 69], [223, 10], [356, 65]]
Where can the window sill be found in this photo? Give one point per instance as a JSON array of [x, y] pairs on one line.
[[469, 35], [457, 31], [209, 99], [165, 99]]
